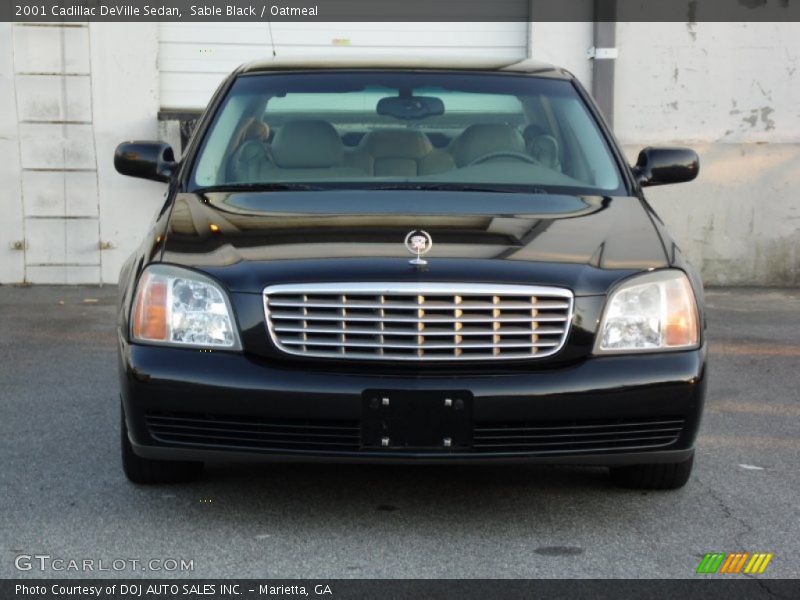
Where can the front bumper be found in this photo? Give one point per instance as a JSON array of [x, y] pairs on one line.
[[192, 405]]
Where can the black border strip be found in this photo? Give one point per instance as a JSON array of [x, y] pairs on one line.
[[702, 588], [75, 11]]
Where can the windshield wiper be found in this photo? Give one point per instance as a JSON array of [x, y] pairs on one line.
[[461, 187], [438, 187], [259, 187]]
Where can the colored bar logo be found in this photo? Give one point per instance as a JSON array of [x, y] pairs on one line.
[[733, 563]]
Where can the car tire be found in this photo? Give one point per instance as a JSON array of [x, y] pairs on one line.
[[149, 471], [661, 476]]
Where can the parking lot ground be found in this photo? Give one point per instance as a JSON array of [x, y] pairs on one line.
[[63, 493]]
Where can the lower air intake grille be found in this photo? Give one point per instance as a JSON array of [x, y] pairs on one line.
[[577, 436], [252, 433]]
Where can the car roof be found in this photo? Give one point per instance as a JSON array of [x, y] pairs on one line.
[[301, 63]]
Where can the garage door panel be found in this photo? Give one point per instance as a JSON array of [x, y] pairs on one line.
[[383, 34], [199, 58], [186, 90], [193, 58], [213, 33], [404, 39]]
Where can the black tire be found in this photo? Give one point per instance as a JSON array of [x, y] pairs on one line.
[[148, 471], [660, 476]]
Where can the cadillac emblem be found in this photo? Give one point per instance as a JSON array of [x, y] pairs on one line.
[[418, 242]]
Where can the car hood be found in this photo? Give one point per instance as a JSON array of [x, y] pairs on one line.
[[249, 240]]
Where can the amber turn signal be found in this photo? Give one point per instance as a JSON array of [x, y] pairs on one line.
[[150, 314]]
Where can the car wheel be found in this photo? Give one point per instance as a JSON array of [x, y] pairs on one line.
[[148, 471], [663, 476]]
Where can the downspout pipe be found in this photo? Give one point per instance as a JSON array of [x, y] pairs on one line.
[[603, 55], [529, 32]]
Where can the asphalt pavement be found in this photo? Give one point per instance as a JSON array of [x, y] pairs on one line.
[[63, 494]]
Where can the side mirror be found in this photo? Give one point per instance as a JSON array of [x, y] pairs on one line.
[[148, 160], [659, 166]]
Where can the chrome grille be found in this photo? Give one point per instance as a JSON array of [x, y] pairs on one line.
[[418, 321]]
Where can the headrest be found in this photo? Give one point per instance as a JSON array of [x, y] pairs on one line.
[[485, 138], [309, 144], [544, 148], [257, 130], [531, 132], [396, 143], [251, 129]]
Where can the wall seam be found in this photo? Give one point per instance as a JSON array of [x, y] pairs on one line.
[[19, 154], [96, 168]]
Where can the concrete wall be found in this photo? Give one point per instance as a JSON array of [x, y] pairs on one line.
[[565, 45], [68, 95], [731, 91], [125, 93], [12, 262]]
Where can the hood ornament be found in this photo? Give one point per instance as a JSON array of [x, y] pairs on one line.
[[418, 242]]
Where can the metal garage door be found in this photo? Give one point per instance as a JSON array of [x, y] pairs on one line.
[[193, 58]]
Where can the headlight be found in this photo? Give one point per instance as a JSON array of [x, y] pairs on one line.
[[651, 312], [178, 307]]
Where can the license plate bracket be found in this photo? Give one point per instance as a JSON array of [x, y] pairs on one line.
[[416, 420]]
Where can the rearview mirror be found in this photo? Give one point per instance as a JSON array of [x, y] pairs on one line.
[[410, 107], [660, 166], [148, 160]]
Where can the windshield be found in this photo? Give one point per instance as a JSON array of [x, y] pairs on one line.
[[405, 129]]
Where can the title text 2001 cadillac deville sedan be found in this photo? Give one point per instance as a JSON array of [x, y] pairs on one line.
[[421, 263]]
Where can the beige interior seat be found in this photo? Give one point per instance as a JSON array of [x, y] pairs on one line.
[[482, 139], [308, 149], [400, 153]]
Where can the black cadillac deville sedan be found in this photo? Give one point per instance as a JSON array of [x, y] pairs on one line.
[[405, 263]]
